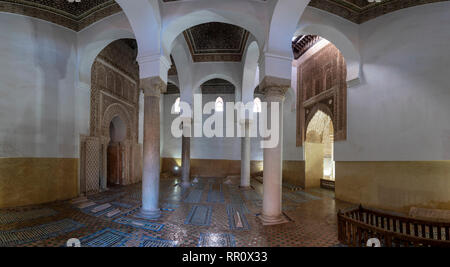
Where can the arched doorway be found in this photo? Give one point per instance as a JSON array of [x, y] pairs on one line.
[[115, 151], [114, 120], [319, 147], [321, 77]]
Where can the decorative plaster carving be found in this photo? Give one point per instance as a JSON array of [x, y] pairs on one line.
[[114, 94], [322, 86]]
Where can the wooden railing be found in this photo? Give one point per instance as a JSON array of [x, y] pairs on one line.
[[357, 226]]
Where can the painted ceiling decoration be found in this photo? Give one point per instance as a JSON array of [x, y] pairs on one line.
[[78, 15], [360, 11], [172, 89], [75, 16], [303, 43], [216, 41], [217, 87]]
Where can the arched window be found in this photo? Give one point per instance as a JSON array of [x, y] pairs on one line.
[[257, 105], [176, 107], [219, 104]]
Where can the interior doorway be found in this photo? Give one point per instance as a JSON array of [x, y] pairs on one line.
[[115, 151], [319, 151]]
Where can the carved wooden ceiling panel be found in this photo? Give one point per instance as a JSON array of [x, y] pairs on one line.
[[216, 41], [303, 43], [77, 16], [360, 11], [217, 87], [172, 89]]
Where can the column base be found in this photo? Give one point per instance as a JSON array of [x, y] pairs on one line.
[[186, 184], [149, 215], [273, 220], [245, 188]]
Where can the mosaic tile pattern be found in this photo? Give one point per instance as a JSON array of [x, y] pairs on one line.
[[156, 242], [313, 215], [216, 240], [236, 219], [199, 215], [30, 234], [147, 225], [215, 194], [105, 238], [194, 196], [122, 205], [93, 212], [7, 217]]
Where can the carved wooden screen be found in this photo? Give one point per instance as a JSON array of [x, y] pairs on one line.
[[322, 86]]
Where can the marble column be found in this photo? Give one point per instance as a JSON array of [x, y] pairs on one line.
[[245, 155], [186, 155], [274, 92], [151, 170]]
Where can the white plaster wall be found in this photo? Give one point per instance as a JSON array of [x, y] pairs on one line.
[[91, 41], [172, 145], [205, 71], [37, 93], [227, 148], [201, 147], [342, 33], [290, 149], [401, 110]]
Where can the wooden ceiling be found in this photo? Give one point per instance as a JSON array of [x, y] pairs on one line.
[[217, 87], [360, 11], [216, 41], [77, 16]]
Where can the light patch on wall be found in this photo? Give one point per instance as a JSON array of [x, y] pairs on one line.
[[446, 144]]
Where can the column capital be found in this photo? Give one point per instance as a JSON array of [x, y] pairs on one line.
[[153, 86], [274, 88], [246, 121]]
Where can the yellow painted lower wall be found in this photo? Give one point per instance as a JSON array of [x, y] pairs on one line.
[[395, 186], [314, 154], [293, 171], [210, 167], [28, 181]]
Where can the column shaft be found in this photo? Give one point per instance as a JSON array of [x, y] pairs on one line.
[[275, 90], [186, 160], [245, 157], [151, 161]]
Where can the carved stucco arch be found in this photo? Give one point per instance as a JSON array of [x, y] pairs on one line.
[[112, 111], [318, 107]]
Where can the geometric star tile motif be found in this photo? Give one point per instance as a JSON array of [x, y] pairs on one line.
[[231, 223]]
